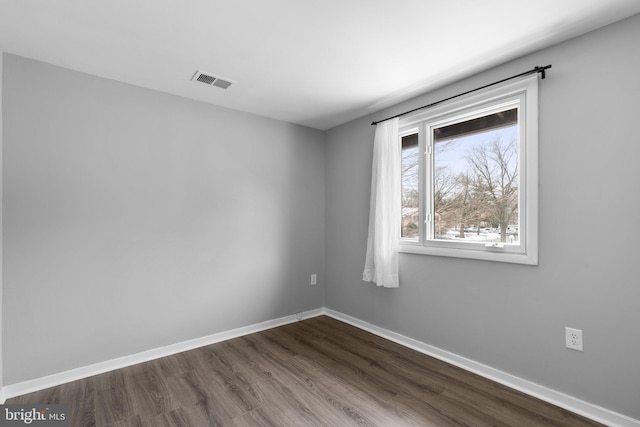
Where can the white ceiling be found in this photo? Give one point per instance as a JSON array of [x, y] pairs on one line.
[[314, 63]]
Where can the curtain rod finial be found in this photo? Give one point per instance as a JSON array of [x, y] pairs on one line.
[[542, 71]]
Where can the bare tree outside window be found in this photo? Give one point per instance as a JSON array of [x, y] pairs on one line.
[[495, 167], [476, 181]]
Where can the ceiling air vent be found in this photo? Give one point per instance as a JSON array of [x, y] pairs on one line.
[[211, 79]]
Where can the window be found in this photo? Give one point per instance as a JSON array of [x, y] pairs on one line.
[[469, 176]]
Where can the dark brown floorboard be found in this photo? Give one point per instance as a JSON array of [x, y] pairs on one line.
[[317, 372]]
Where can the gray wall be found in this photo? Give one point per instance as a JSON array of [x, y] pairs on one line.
[[135, 219], [512, 317]]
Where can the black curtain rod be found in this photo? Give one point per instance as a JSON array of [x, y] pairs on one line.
[[541, 70]]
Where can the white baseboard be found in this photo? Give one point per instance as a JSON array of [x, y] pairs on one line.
[[562, 400], [30, 386], [556, 398]]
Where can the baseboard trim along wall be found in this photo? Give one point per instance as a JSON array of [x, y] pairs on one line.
[[36, 384], [562, 400]]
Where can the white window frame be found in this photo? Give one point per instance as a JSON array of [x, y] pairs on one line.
[[524, 94]]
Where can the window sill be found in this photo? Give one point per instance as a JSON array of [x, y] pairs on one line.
[[485, 254]]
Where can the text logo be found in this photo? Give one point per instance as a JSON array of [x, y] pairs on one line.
[[34, 415]]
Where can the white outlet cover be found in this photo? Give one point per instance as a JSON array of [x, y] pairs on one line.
[[573, 339]]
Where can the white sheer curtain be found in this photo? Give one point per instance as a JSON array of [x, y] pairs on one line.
[[381, 265]]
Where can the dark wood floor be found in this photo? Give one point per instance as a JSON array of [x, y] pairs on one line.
[[317, 372]]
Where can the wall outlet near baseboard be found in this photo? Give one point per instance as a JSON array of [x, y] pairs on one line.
[[314, 279], [573, 338]]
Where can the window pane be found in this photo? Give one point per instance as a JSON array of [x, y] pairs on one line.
[[410, 194], [475, 178]]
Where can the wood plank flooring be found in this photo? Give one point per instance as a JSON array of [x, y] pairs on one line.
[[317, 372]]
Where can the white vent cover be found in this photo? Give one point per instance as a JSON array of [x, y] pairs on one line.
[[211, 79]]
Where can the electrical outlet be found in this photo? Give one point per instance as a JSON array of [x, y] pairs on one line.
[[314, 279], [573, 338]]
